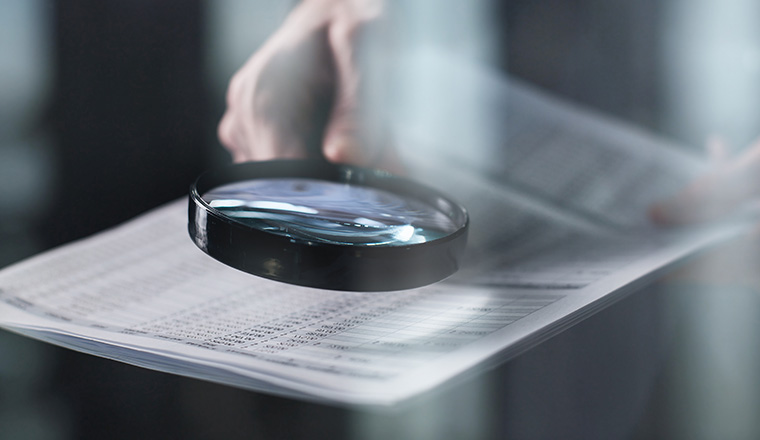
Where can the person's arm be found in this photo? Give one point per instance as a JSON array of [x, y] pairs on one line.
[[298, 95]]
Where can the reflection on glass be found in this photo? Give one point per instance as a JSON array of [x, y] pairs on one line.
[[329, 212]]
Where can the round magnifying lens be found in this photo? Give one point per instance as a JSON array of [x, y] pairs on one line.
[[317, 224]]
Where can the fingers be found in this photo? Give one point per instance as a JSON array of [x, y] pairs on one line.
[[733, 182], [347, 142], [228, 136], [299, 95], [353, 135], [701, 201], [279, 103], [249, 133]]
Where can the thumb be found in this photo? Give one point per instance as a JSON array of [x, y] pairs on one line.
[[347, 141], [341, 141]]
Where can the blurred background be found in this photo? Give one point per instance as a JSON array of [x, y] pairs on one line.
[[109, 108]]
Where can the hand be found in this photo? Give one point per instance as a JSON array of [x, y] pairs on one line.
[[298, 95], [732, 183]]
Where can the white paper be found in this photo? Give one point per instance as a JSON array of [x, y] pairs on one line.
[[143, 293]]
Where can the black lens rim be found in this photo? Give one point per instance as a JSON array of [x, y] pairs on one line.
[[317, 264]]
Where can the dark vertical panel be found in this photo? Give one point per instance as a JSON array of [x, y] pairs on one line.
[[129, 113], [130, 126], [603, 53]]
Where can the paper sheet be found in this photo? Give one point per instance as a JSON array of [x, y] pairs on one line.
[[143, 293]]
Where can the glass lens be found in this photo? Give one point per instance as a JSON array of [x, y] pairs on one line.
[[329, 212]]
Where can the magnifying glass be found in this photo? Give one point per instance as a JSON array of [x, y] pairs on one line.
[[313, 223]]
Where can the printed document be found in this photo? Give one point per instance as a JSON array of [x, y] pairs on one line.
[[557, 197]]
